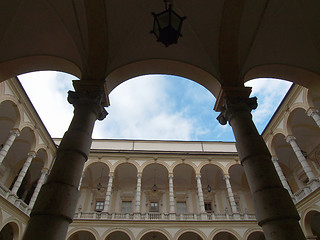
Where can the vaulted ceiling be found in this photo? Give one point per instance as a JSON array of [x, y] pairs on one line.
[[224, 43]]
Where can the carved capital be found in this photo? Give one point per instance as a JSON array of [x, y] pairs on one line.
[[290, 139], [233, 105], [94, 99]]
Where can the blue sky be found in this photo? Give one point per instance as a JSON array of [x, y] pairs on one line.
[[157, 107]]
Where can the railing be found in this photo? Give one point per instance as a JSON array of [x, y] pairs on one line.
[[13, 199], [163, 216]]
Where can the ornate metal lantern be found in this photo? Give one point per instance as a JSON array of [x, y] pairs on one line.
[[167, 25]]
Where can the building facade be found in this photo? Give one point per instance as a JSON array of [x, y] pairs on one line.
[[167, 190]]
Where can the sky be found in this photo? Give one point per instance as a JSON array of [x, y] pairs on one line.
[[150, 107]]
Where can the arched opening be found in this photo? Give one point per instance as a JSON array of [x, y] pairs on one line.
[[117, 235], [256, 236], [82, 235], [154, 235], [125, 183], [224, 236], [190, 236], [93, 186], [185, 187], [312, 226], [213, 188], [154, 188], [9, 232], [241, 190]]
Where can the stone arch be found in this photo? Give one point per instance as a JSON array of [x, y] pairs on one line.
[[117, 164], [183, 162], [144, 232], [256, 235], [163, 66], [251, 230], [286, 72], [14, 107], [155, 172], [32, 136], [226, 234], [34, 63], [197, 234], [95, 171], [10, 230], [147, 163], [90, 233], [92, 162], [307, 218], [203, 164], [126, 231]]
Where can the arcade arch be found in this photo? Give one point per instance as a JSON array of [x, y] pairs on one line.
[[311, 222], [10, 231], [82, 235]]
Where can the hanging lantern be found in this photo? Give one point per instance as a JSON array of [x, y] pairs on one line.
[[167, 26]]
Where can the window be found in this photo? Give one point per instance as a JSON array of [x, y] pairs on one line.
[[208, 207], [154, 206], [126, 207], [181, 207], [99, 206]]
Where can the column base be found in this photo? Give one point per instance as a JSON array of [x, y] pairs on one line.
[[12, 198], [172, 216], [136, 216], [236, 216], [204, 216], [314, 184]]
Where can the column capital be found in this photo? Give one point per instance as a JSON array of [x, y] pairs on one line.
[[170, 175], [44, 170], [85, 98], [139, 175], [32, 154], [236, 104], [312, 111], [15, 131], [226, 176], [111, 174], [274, 158], [198, 176], [290, 138]]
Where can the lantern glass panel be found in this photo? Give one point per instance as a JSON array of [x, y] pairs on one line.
[[175, 21], [164, 20]]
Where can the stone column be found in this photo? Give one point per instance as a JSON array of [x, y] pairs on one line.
[[303, 161], [57, 200], [108, 193], [17, 184], [41, 180], [233, 204], [200, 194], [314, 113], [3, 153], [81, 179], [281, 176], [138, 194], [171, 195], [274, 209]]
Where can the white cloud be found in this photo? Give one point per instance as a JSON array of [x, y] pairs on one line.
[[48, 92]]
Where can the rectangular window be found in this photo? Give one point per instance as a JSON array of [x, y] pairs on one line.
[[181, 207], [126, 207], [208, 207], [154, 207], [99, 206]]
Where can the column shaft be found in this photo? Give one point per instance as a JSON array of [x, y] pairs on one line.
[[200, 194], [281, 175], [314, 113], [233, 204], [22, 173], [171, 194], [303, 161], [4, 151], [38, 187], [138, 194], [57, 200], [274, 208], [108, 193]]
